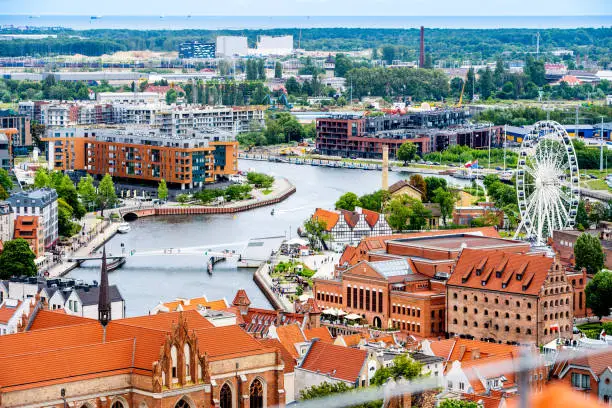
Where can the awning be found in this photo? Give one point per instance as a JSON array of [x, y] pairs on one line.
[[341, 313], [352, 316], [331, 312]]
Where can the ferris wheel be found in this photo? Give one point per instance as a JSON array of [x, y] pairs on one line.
[[547, 182]]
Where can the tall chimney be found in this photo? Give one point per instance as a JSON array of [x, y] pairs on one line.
[[422, 53], [385, 167]]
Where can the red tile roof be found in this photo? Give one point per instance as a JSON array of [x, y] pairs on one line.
[[371, 217], [339, 362], [287, 357], [322, 333], [193, 304], [7, 312], [259, 320], [501, 270], [59, 364], [597, 363], [349, 340], [220, 342], [330, 218], [46, 319], [241, 298], [164, 321], [289, 335]]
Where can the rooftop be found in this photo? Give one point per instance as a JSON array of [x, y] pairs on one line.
[[343, 363]]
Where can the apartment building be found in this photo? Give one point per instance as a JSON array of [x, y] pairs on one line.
[[29, 228], [7, 222], [145, 153], [41, 203], [10, 119]]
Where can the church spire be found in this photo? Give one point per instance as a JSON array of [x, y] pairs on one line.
[[104, 306]]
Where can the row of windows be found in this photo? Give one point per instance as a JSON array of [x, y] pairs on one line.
[[557, 302], [496, 300], [495, 327], [364, 299], [406, 326], [556, 316], [486, 313], [326, 297], [406, 311]]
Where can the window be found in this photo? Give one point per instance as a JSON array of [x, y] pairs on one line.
[[348, 297], [507, 328], [464, 297], [507, 302], [455, 308], [486, 312], [461, 386], [380, 302], [528, 331], [454, 321], [528, 305], [518, 330], [465, 310], [528, 318], [486, 299], [256, 395], [518, 316], [581, 381], [373, 300], [475, 311], [225, 400], [496, 313], [367, 299], [496, 301], [187, 356], [182, 404], [475, 324], [117, 404], [361, 298], [454, 297], [173, 355], [465, 322], [450, 385], [475, 298]]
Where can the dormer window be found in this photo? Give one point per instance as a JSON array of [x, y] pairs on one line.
[[498, 274]]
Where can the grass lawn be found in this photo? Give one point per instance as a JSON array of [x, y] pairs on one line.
[[590, 326], [266, 191], [597, 185]]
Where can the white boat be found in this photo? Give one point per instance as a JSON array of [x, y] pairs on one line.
[[124, 228]]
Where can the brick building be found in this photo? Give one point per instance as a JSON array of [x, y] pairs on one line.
[[144, 154], [29, 228], [506, 296], [564, 242], [10, 119], [588, 374]]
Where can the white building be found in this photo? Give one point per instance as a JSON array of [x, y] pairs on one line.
[[83, 301], [129, 97], [41, 203], [11, 313], [230, 46], [278, 46], [347, 227], [7, 222], [55, 115]]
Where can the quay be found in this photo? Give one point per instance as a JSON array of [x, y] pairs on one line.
[[264, 281]]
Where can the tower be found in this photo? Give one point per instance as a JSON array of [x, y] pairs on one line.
[[385, 167], [422, 49], [104, 306]]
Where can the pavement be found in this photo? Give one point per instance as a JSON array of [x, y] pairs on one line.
[[322, 264]]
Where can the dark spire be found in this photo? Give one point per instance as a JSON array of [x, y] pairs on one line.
[[104, 306]]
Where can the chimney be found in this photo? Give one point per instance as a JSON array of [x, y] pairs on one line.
[[475, 354], [461, 352], [422, 49]]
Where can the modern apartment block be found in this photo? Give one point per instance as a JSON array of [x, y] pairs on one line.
[[14, 120], [145, 153], [7, 222], [362, 136], [41, 203]]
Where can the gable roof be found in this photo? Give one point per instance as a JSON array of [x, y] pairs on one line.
[[401, 184], [501, 270], [259, 320], [343, 363], [45, 319], [597, 363], [195, 303], [329, 218], [220, 342], [7, 312], [241, 298], [322, 333], [348, 340], [164, 321], [371, 217], [289, 336], [91, 295]]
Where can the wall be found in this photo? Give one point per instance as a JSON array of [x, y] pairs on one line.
[[305, 379]]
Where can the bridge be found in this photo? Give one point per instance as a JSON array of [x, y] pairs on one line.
[[249, 253]]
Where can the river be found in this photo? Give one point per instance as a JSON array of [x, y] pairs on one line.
[[145, 281]]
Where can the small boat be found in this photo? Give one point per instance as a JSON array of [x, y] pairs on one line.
[[272, 212], [124, 228]]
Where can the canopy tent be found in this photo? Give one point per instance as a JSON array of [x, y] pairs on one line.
[[352, 316]]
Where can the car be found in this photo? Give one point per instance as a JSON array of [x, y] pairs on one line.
[[593, 176], [428, 163], [436, 163], [452, 165], [498, 168], [421, 161]]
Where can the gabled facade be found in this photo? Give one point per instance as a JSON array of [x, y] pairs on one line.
[[346, 227]]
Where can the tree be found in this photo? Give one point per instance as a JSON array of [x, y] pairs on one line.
[[162, 190], [323, 390], [261, 69], [433, 183], [348, 201], [17, 259], [260, 180], [453, 403], [41, 178], [5, 180], [598, 212], [182, 198], [582, 218], [67, 191], [317, 231], [343, 65], [402, 367], [3, 194], [498, 74], [447, 201], [278, 70], [106, 192], [470, 83], [87, 192], [171, 96], [486, 83], [293, 86], [375, 201], [417, 181], [588, 253], [418, 214], [397, 214], [65, 226], [598, 293], [407, 152]]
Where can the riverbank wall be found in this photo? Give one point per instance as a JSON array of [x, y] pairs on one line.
[[264, 281], [281, 195]]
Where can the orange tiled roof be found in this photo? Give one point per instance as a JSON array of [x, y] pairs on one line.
[[6, 312], [241, 298], [219, 342], [287, 357], [330, 218], [336, 361], [559, 396], [597, 363], [322, 333], [371, 217], [289, 335], [475, 266], [21, 371], [259, 320], [164, 321], [192, 304], [45, 319], [487, 401], [350, 340]]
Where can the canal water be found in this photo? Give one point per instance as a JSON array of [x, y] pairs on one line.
[[145, 281]]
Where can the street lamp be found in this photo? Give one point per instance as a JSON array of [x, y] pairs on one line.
[[63, 394]]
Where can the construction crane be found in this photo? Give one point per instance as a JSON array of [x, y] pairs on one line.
[[461, 95]]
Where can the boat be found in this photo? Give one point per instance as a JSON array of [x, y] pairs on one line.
[[116, 264], [124, 228], [464, 175], [95, 17]]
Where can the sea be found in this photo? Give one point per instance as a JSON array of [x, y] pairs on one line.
[[181, 22]]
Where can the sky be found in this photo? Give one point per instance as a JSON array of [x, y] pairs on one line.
[[311, 7]]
